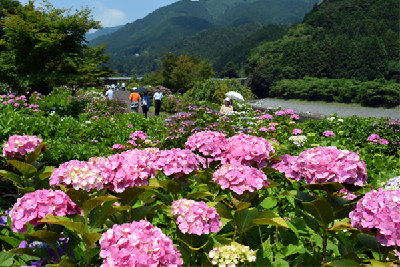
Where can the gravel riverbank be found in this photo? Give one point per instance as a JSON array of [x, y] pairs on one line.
[[319, 111]]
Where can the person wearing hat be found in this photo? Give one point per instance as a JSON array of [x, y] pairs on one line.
[[227, 107]]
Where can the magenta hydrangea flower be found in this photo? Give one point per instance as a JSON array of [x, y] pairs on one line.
[[373, 137], [295, 117], [118, 147], [18, 145], [128, 169], [330, 164], [178, 162], [79, 174], [208, 143], [287, 165], [383, 141], [138, 244], [34, 206], [297, 131], [266, 117], [138, 135], [240, 178], [289, 112], [263, 129], [379, 210], [246, 149], [329, 133], [347, 194], [195, 217]]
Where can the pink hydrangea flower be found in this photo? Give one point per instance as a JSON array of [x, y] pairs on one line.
[[130, 126], [289, 112], [17, 146], [118, 147], [330, 164], [246, 149], [138, 135], [287, 165], [34, 206], [347, 194], [280, 113], [263, 129], [195, 217], [295, 117], [329, 133], [297, 131], [128, 169], [240, 178], [178, 162], [138, 244], [272, 129], [373, 137], [79, 174], [379, 210], [383, 141], [208, 143], [266, 117]]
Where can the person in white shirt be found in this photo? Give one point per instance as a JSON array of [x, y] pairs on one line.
[[123, 86], [157, 101], [113, 87], [110, 93]]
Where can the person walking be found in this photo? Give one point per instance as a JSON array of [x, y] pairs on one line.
[[110, 93], [113, 87], [157, 101], [135, 98], [123, 86], [145, 104], [118, 86]]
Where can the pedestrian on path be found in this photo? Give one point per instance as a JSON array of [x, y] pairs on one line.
[[135, 98], [113, 87], [118, 86], [145, 104], [123, 86], [157, 101], [109, 93]]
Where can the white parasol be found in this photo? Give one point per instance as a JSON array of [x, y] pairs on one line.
[[235, 96]]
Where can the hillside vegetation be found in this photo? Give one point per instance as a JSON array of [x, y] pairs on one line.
[[168, 25], [337, 39]]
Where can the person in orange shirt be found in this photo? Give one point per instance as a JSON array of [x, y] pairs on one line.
[[135, 100]]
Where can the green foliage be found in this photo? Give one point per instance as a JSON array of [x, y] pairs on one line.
[[375, 93], [46, 48], [214, 90], [339, 39], [181, 72]]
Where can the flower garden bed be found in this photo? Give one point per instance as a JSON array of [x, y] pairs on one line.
[[254, 188]]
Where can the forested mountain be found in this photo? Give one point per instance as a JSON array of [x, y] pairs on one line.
[[337, 39], [210, 43], [169, 24], [104, 31]]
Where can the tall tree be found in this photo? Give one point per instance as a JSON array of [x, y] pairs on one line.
[[47, 47]]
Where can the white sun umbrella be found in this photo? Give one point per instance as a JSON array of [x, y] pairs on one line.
[[235, 96]]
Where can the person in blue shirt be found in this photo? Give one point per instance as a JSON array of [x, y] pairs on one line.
[[109, 93], [145, 104]]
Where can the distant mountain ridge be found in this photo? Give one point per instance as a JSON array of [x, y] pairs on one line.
[[104, 31]]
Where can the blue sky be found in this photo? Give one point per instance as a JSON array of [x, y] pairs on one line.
[[111, 12]]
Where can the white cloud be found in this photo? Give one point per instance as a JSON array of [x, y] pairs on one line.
[[108, 17]]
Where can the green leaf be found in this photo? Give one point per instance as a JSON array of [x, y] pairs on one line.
[[77, 226], [90, 204], [369, 241], [189, 246], [197, 195], [6, 259], [376, 263], [91, 238], [77, 196], [24, 251], [11, 240], [26, 169], [326, 186], [321, 210], [242, 206], [33, 156], [116, 209], [130, 194], [63, 263], [311, 222], [343, 263], [172, 186], [247, 216], [139, 213], [99, 214], [46, 236], [268, 203], [268, 170], [268, 218], [11, 176], [301, 196], [46, 172]]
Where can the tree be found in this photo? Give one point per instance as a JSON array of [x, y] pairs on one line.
[[182, 71], [46, 47]]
